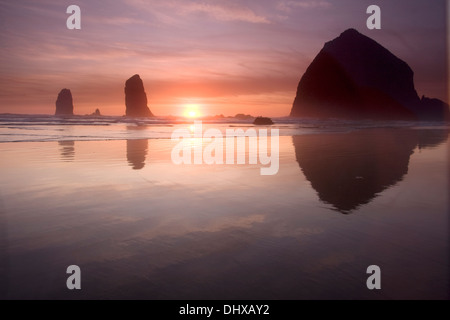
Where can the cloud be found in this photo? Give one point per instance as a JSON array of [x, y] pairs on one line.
[[224, 12], [217, 9], [288, 6], [115, 21]]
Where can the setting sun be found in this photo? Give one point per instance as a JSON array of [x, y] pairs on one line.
[[191, 111]]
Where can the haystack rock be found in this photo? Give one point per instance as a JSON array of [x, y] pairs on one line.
[[354, 77], [136, 98], [64, 103]]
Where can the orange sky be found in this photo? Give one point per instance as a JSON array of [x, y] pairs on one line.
[[227, 57]]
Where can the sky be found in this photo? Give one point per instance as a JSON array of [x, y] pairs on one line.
[[219, 56]]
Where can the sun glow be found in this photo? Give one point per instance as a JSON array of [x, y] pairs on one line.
[[191, 110]]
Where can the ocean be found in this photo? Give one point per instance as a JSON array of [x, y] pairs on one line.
[[104, 194]]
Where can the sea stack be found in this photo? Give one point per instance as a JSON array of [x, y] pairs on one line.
[[354, 77], [64, 103], [136, 98]]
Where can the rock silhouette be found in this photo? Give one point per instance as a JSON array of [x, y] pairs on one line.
[[262, 121], [354, 77], [64, 103], [350, 169], [136, 153], [136, 98]]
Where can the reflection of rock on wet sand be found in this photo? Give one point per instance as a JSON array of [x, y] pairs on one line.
[[349, 170], [136, 153], [431, 138], [67, 150]]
